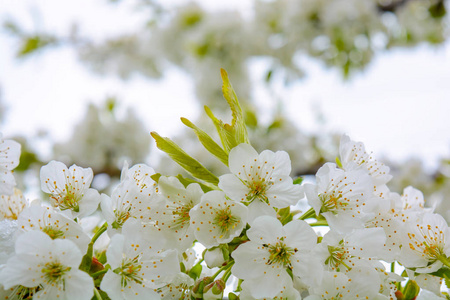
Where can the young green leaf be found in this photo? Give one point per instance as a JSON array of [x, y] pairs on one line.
[[236, 133], [188, 163], [207, 142], [186, 181]]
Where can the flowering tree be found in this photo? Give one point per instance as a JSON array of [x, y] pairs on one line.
[[253, 232]]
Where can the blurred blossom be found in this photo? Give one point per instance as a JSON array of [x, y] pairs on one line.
[[103, 141]]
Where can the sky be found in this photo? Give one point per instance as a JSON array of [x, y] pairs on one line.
[[399, 106]]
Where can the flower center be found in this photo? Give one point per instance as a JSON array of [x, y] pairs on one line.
[[181, 215], [332, 202], [53, 232], [121, 217], [54, 271], [280, 254], [225, 220], [70, 200], [130, 271], [431, 245], [337, 257], [257, 190]]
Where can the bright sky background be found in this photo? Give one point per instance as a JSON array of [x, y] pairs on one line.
[[399, 106]]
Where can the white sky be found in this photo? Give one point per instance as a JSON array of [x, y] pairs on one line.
[[399, 106]]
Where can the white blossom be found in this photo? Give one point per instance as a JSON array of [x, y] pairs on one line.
[[342, 252], [170, 211], [69, 188], [12, 205], [54, 224], [344, 198], [51, 265], [357, 284], [9, 160], [425, 243], [273, 248], [260, 181], [178, 287], [137, 263], [217, 220], [353, 156], [132, 198]]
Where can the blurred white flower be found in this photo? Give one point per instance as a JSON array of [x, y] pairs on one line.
[[9, 159]]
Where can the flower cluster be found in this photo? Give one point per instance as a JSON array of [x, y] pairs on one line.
[[240, 235]]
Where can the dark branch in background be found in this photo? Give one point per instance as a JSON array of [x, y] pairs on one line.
[[437, 10]]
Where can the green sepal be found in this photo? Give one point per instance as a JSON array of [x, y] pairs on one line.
[[236, 133], [156, 177], [232, 296], [207, 142], [86, 262], [102, 294], [188, 163], [284, 215], [411, 290], [195, 272], [338, 162], [182, 267], [298, 180], [101, 256], [187, 181]]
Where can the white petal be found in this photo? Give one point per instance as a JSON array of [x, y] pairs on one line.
[[112, 285], [265, 230], [52, 177], [89, 203], [79, 285], [258, 208], [241, 155]]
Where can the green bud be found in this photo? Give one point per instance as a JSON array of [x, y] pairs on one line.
[[214, 290]]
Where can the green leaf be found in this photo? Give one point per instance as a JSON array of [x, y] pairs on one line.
[[207, 142], [33, 43], [187, 181], [236, 133], [442, 272], [188, 163]]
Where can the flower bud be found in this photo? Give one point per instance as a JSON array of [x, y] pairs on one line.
[[214, 290], [197, 290], [214, 257]]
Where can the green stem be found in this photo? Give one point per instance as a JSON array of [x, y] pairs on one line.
[[393, 267], [310, 213], [319, 223], [226, 267], [226, 275], [97, 294], [99, 232], [444, 260], [87, 258]]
